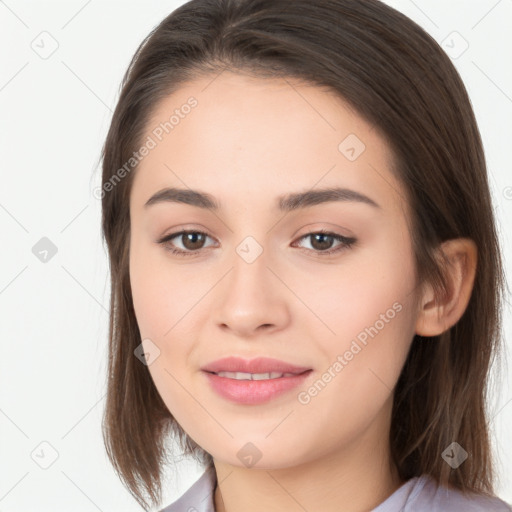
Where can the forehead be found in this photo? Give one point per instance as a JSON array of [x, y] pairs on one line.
[[252, 139]]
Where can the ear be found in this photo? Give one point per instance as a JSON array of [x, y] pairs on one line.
[[438, 314]]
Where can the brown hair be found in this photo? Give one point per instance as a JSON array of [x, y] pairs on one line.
[[398, 78]]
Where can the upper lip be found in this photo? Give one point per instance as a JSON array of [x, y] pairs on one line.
[[258, 365]]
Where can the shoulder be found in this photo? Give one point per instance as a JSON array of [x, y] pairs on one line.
[[199, 497], [427, 495]]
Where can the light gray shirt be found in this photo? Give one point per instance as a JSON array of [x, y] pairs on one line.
[[419, 494]]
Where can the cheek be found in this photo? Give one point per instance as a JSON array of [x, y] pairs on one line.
[[352, 295], [166, 304], [147, 298], [372, 327], [160, 307], [368, 307], [158, 297]]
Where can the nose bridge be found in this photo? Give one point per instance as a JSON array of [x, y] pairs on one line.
[[250, 274], [250, 296]]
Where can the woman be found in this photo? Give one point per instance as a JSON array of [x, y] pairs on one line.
[[306, 290]]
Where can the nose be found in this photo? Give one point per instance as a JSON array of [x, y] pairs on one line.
[[251, 299]]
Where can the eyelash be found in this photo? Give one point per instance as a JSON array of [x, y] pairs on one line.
[[346, 242]]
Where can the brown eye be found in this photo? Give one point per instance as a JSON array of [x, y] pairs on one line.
[[191, 241], [322, 242]]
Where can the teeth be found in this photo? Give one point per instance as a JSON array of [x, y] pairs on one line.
[[254, 376]]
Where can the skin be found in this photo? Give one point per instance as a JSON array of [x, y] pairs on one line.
[[247, 142]]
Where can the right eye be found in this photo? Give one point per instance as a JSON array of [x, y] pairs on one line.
[[191, 240]]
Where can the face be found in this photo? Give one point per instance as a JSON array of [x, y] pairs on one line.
[[323, 283]]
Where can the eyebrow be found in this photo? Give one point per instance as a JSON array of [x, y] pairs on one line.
[[286, 203]]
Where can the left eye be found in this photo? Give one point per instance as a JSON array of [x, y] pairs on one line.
[[193, 242], [323, 240]]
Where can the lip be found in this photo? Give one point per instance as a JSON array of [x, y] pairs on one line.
[[253, 392], [258, 365]]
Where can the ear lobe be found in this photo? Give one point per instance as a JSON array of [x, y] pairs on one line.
[[438, 314]]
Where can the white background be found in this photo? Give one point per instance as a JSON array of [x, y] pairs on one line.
[[54, 115]]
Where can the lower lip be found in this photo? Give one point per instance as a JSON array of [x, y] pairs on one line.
[[253, 392]]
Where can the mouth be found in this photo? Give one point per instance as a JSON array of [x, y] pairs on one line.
[[256, 376], [261, 368], [250, 391], [253, 382]]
